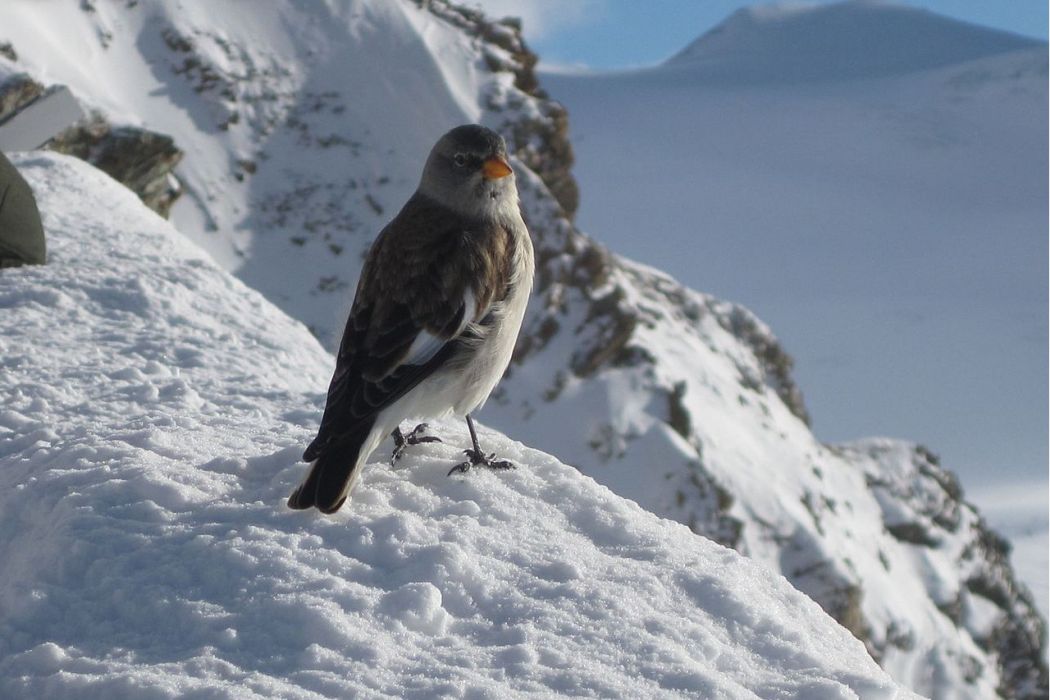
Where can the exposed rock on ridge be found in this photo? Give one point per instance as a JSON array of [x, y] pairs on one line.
[[140, 159]]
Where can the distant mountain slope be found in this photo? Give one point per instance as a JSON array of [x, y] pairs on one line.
[[298, 150], [836, 41], [302, 123], [685, 403], [155, 411], [883, 225], [892, 230]]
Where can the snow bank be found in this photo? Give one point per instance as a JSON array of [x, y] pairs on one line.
[[155, 408]]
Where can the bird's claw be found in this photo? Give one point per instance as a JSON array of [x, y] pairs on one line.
[[479, 459], [401, 441]]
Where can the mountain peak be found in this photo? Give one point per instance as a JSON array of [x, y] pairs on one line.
[[801, 42]]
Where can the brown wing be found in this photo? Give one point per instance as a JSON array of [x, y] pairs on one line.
[[429, 274]]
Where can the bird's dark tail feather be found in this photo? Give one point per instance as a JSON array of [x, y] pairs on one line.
[[334, 467]]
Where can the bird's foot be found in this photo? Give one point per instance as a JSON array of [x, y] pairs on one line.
[[479, 459], [401, 441]]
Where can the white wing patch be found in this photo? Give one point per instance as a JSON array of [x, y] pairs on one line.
[[426, 344]]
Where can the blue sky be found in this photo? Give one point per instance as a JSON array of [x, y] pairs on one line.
[[623, 33]]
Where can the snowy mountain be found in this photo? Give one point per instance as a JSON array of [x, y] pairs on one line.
[[891, 228], [287, 165], [685, 403], [304, 126], [147, 552], [861, 39]]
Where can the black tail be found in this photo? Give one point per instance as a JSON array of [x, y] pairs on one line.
[[324, 485]]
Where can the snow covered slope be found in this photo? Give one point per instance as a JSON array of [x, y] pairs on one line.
[[685, 402], [302, 123], [305, 125], [858, 39], [890, 227], [156, 408]]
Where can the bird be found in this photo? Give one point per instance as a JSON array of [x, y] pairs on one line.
[[435, 316]]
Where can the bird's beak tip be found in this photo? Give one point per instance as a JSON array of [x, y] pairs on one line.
[[495, 167]]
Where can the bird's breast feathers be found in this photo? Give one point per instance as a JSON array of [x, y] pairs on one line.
[[486, 359], [441, 293]]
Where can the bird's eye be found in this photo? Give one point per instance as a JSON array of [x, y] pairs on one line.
[[459, 159]]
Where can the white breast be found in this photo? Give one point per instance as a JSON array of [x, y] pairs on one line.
[[493, 355], [463, 387]]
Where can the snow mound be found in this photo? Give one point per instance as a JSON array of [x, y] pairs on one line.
[[848, 40], [156, 411]]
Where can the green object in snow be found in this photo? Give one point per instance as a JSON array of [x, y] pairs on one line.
[[21, 233]]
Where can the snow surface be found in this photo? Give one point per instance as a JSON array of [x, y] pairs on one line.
[[321, 154], [738, 466], [157, 409], [853, 40], [276, 112], [891, 227]]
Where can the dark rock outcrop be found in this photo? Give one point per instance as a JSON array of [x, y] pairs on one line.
[[140, 159]]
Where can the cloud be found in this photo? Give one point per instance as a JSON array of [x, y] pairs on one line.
[[542, 17]]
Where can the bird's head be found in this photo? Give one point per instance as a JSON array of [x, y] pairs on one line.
[[468, 172]]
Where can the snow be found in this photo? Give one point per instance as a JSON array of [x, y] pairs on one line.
[[882, 207], [157, 410], [874, 530], [853, 40], [325, 149]]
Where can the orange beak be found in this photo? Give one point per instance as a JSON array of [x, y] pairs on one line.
[[495, 167]]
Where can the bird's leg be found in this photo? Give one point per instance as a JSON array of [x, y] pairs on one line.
[[401, 441], [477, 457]]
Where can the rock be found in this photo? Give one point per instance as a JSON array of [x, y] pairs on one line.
[[142, 160], [16, 92]]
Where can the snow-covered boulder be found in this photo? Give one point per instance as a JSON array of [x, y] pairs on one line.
[[154, 411]]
